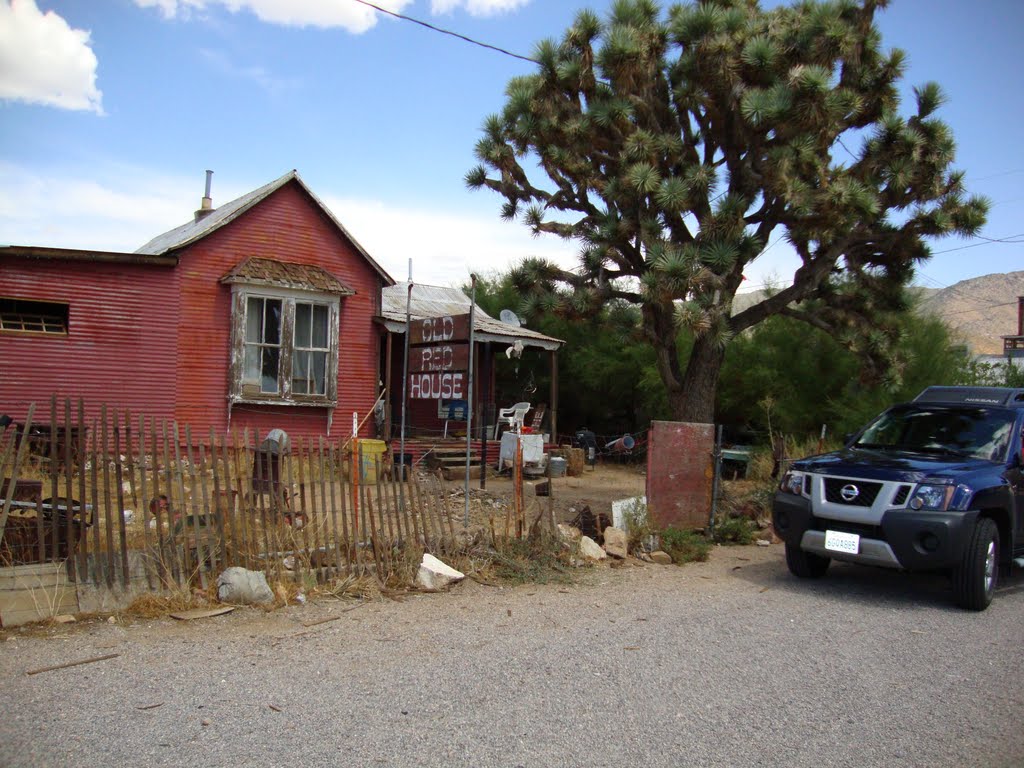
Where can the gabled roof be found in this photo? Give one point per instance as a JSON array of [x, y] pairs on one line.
[[285, 274], [435, 301], [194, 231]]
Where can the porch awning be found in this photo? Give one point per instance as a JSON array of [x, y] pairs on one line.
[[435, 301]]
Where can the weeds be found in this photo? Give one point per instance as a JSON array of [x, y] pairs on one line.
[[685, 546]]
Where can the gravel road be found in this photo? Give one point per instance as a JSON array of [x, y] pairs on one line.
[[728, 663]]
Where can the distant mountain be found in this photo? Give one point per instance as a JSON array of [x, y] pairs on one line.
[[979, 311]]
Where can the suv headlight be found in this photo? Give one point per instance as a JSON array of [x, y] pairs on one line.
[[793, 482], [931, 497]]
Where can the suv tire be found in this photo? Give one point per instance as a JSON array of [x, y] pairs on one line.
[[974, 580], [806, 565]]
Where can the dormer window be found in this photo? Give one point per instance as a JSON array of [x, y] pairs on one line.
[[284, 333]]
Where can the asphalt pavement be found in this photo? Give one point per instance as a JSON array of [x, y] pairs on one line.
[[729, 663]]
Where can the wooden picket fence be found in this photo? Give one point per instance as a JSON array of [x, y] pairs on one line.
[[308, 509]]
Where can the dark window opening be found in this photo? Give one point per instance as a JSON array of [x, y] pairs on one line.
[[33, 316]]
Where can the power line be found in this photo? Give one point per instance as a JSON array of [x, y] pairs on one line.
[[447, 32]]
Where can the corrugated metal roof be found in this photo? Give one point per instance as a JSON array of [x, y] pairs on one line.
[[436, 301], [286, 274], [192, 231]]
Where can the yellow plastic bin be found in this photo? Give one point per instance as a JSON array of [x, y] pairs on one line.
[[372, 453]]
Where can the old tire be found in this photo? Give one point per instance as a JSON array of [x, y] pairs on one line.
[[806, 565], [974, 580]]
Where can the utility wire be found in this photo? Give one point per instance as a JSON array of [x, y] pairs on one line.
[[447, 32]]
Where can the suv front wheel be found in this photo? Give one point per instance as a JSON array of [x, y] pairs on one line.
[[974, 580], [806, 565]]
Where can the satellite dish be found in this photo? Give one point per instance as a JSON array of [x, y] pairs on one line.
[[508, 317]]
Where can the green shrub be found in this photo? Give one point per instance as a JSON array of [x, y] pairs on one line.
[[685, 546], [734, 530]]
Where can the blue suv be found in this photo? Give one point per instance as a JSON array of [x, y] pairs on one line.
[[936, 484]]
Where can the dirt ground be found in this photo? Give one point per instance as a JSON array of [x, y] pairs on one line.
[[597, 488]]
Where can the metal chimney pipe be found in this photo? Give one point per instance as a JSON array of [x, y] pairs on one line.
[[206, 206]]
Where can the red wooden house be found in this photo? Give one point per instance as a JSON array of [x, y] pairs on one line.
[[257, 314]]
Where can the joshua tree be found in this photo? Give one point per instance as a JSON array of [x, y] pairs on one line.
[[674, 146]]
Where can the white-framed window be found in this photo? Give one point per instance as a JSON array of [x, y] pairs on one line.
[[284, 346]]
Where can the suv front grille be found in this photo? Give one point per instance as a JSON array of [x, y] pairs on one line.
[[864, 496], [901, 495]]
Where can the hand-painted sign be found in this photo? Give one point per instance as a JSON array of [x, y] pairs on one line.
[[446, 357], [437, 386], [439, 330]]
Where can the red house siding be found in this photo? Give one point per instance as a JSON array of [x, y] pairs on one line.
[[121, 342], [289, 226]]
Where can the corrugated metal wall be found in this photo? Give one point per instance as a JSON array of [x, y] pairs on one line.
[[121, 343], [288, 226]]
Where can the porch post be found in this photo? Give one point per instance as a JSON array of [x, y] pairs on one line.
[[387, 385], [554, 396]]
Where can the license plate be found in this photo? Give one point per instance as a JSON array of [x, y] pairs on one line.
[[842, 542]]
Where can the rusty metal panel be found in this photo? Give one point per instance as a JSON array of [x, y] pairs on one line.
[[679, 474], [289, 226], [121, 342]]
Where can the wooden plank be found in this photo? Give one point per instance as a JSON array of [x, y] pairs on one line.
[[108, 521], [447, 385], [119, 479], [83, 536], [441, 357], [54, 483], [144, 510], [202, 613], [438, 330], [94, 460]]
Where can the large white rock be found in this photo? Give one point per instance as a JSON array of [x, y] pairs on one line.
[[591, 550], [616, 543], [435, 575], [242, 586]]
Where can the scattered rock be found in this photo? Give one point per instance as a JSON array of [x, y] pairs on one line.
[[616, 543], [591, 550], [240, 585], [435, 575], [661, 558], [763, 543], [568, 533], [64, 618]]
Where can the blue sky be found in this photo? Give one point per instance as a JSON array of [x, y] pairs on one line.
[[111, 111]]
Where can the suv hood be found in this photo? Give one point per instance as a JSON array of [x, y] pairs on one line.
[[888, 465]]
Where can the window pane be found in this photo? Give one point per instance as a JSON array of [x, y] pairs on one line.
[[319, 371], [271, 359], [321, 314], [272, 324], [253, 319], [300, 373], [303, 332], [251, 371]]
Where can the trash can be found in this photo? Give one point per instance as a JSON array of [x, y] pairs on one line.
[[372, 455], [557, 466]]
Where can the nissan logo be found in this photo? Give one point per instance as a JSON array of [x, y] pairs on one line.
[[849, 492]]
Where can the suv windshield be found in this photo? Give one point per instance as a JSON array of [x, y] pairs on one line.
[[982, 433]]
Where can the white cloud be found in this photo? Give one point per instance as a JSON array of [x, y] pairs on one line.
[[476, 7], [44, 61], [348, 14], [444, 246]]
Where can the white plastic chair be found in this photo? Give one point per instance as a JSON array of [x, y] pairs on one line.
[[514, 416]]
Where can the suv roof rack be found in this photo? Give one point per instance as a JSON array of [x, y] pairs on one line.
[[1004, 396]]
